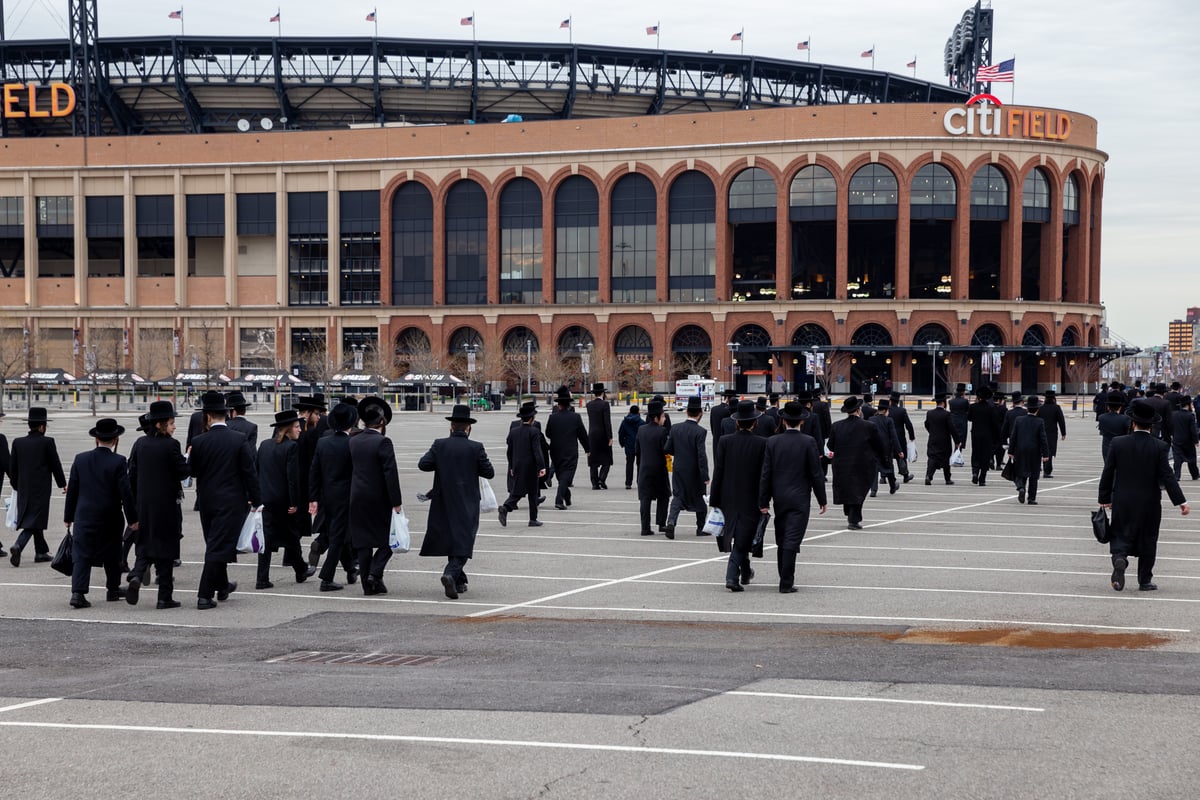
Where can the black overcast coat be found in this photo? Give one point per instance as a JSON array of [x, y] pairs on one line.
[[99, 502], [1052, 417], [1027, 445], [858, 449], [226, 486], [737, 469], [329, 481], [525, 459], [985, 432], [689, 472], [600, 433], [940, 443], [791, 475], [1134, 476], [156, 467], [33, 463], [457, 464], [652, 461], [374, 489], [566, 433]]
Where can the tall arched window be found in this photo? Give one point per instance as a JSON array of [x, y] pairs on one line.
[[516, 338], [989, 194], [873, 186], [934, 193], [412, 246], [634, 241], [813, 214], [1035, 197], [466, 244], [813, 194], [520, 242], [871, 257], [752, 201], [693, 257], [1070, 201], [576, 242], [933, 200], [753, 188]]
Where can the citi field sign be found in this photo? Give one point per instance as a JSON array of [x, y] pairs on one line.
[[983, 116], [32, 100]]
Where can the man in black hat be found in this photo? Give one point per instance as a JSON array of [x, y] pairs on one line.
[[627, 438], [1028, 449], [867, 408], [279, 481], [5, 466], [329, 481], [822, 411], [765, 426], [941, 440], [890, 437], [652, 477], [1135, 473], [999, 414], [237, 404], [1162, 428], [313, 426], [737, 471], [858, 449], [772, 411], [99, 502], [226, 490], [566, 434], [157, 469], [791, 477], [1112, 422], [958, 406], [719, 413], [666, 417], [984, 433], [1184, 437], [689, 475], [374, 493], [34, 461], [526, 464], [904, 428], [600, 437], [1055, 421], [457, 464]]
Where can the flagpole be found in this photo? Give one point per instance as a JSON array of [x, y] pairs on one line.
[[914, 65], [279, 22], [872, 56], [474, 38], [375, 17], [1012, 87], [570, 30], [810, 47], [742, 41], [182, 29], [658, 35]]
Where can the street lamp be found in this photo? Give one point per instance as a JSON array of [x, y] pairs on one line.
[[733, 368], [815, 366], [529, 367], [933, 348], [357, 349], [91, 354], [585, 355], [991, 349], [471, 350], [28, 368]]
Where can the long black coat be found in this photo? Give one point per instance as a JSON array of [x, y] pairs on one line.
[[1052, 417], [99, 502], [958, 417], [1162, 429], [791, 476], [600, 433], [279, 481], [195, 428], [891, 441], [1011, 417], [248, 429], [1111, 424], [689, 472], [457, 464], [737, 468], [542, 443], [226, 486], [566, 433], [821, 409], [719, 412], [984, 433], [904, 426], [652, 461], [34, 461], [156, 467], [329, 481], [1027, 445], [374, 489], [857, 450], [940, 443], [1134, 476], [525, 459], [4, 460], [765, 426], [1183, 431]]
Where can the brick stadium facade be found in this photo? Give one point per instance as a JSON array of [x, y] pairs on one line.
[[865, 232]]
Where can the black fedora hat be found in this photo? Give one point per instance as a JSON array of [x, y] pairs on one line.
[[145, 425], [884, 404], [694, 403], [1115, 399], [598, 388], [160, 410], [851, 404], [343, 416], [794, 411], [804, 396], [745, 412], [372, 410], [1016, 397], [528, 405], [562, 393], [37, 416], [983, 393], [1142, 413], [310, 403], [960, 388], [1032, 402], [283, 418], [349, 400], [729, 393], [236, 400], [1050, 394], [941, 397], [655, 408], [212, 402], [106, 429], [461, 413]]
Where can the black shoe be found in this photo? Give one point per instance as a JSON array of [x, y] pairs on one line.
[[567, 496], [114, 595], [262, 585], [230, 588], [983, 483], [1047, 475], [647, 532], [596, 486], [422, 498], [178, 562], [162, 604], [461, 588], [450, 587], [124, 564], [541, 499], [734, 586], [352, 577], [131, 594], [287, 561], [975, 479], [854, 526], [1118, 573], [893, 487], [560, 506], [536, 523], [79, 601], [205, 603], [747, 576], [872, 494], [670, 531], [330, 586], [662, 528], [502, 512], [301, 577], [929, 481], [1147, 587], [380, 588], [603, 484], [4, 552], [14, 558], [1032, 502], [314, 553], [949, 483], [368, 587], [42, 558], [1020, 495], [787, 589], [628, 486], [908, 478]]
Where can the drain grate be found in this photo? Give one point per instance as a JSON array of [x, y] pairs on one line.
[[357, 659]]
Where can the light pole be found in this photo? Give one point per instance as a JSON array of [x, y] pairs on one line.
[[585, 366], [471, 350], [357, 349], [991, 349], [28, 368], [933, 348], [529, 366], [91, 355], [733, 369], [816, 369]]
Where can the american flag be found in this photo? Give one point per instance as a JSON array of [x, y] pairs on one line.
[[868, 53], [176, 14], [274, 18], [737, 37], [802, 45], [467, 20], [912, 64], [566, 23], [652, 30], [997, 73], [371, 17]]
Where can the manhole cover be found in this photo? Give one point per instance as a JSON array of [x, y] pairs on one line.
[[356, 659]]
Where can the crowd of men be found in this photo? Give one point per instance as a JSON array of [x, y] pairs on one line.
[[332, 475]]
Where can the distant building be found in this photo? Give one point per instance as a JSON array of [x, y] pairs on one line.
[[1181, 336]]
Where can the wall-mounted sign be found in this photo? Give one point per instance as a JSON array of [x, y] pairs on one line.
[[983, 116], [21, 100]]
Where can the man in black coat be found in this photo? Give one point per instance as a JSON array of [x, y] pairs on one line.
[[237, 404], [772, 411], [566, 434], [765, 427], [627, 438], [892, 443], [721, 411], [329, 482], [687, 446], [279, 482], [652, 477], [374, 493], [1184, 436], [526, 465], [1112, 423], [1131, 484], [791, 476], [226, 491], [157, 470], [313, 426], [940, 442], [34, 461], [600, 438], [999, 413], [959, 405], [4, 470], [858, 450], [1162, 428], [457, 464], [1010, 416], [821, 409], [99, 502], [737, 470], [1055, 421], [984, 433], [1028, 449], [904, 428]]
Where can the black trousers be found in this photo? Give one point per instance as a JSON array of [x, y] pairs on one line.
[[81, 574], [372, 561], [280, 528], [934, 464], [902, 466], [1029, 483], [455, 569], [532, 497], [853, 513], [163, 567], [786, 560], [339, 550], [677, 506], [39, 540], [566, 479], [599, 475], [660, 500], [1183, 457], [630, 470], [213, 578]]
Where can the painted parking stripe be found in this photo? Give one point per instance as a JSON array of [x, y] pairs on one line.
[[895, 700], [31, 704]]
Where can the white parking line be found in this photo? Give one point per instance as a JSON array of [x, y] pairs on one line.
[[854, 699], [1026, 553], [31, 704], [513, 743]]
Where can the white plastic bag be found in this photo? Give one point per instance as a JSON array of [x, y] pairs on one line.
[[715, 524], [252, 539], [10, 511], [487, 498], [956, 458], [912, 452], [398, 538]]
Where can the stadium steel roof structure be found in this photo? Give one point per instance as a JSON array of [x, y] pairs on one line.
[[204, 84]]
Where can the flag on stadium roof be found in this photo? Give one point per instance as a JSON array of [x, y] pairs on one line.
[[997, 73]]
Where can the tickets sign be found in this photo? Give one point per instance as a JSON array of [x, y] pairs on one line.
[[984, 116], [32, 100]]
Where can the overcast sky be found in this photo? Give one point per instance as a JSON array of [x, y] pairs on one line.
[[1126, 62]]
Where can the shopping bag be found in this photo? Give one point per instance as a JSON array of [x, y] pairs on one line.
[[252, 539], [715, 524], [398, 538], [670, 463], [1009, 473], [956, 458], [1100, 525], [912, 452], [10, 511], [64, 558], [487, 498]]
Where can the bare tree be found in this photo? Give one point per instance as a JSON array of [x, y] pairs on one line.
[[634, 377], [837, 368], [12, 356], [422, 361], [604, 366], [209, 340], [155, 355], [550, 370], [378, 362], [692, 364], [316, 364], [958, 368], [1080, 372]]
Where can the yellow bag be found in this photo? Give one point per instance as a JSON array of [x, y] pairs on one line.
[[670, 462]]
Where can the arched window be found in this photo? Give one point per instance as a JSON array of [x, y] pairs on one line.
[[813, 194], [465, 336], [691, 339], [412, 246], [1070, 201], [466, 244], [576, 242], [753, 189], [1070, 338], [411, 341], [810, 334], [934, 193], [633, 340], [693, 257], [520, 242], [752, 336], [871, 335], [874, 193], [570, 339], [989, 194], [1034, 337], [988, 335], [1035, 196], [634, 240], [930, 333], [515, 339]]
